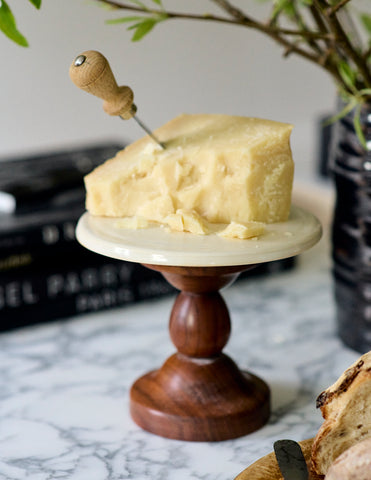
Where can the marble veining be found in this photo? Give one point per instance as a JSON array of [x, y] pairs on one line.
[[65, 385]]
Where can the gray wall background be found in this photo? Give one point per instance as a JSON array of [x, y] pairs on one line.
[[182, 66]]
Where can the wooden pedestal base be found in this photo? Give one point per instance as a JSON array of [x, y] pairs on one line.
[[199, 394]]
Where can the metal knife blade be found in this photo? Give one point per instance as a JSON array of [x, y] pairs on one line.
[[291, 460]]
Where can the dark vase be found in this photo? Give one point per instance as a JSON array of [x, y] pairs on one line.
[[350, 168]]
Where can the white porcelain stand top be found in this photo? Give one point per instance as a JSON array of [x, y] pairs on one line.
[[158, 246]]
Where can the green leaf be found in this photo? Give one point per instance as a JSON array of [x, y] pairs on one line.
[[115, 21], [348, 75], [347, 109], [366, 20], [358, 126], [157, 2], [365, 92], [139, 4], [142, 28], [283, 6], [8, 25], [36, 3], [103, 6]]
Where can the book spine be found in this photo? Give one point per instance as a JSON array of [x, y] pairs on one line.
[[49, 234], [35, 258], [28, 297]]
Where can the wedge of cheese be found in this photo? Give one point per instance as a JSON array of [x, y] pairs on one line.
[[218, 168]]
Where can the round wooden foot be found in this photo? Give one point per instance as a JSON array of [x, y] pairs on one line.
[[199, 394], [208, 400]]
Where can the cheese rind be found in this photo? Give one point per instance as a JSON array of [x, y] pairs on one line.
[[224, 168]]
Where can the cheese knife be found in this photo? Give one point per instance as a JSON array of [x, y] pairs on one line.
[[91, 72], [291, 460]]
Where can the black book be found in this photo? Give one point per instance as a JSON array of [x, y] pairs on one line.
[[83, 283], [47, 181], [45, 274], [42, 197], [72, 286]]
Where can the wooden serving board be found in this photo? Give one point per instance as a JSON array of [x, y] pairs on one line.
[[266, 468]]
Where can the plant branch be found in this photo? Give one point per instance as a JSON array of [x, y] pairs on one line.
[[246, 22], [321, 58], [327, 44], [277, 34], [336, 8], [321, 25], [236, 13], [312, 43], [341, 39]]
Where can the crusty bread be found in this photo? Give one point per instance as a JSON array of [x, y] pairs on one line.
[[353, 464], [346, 409]]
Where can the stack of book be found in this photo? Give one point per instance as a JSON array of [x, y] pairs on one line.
[[45, 274]]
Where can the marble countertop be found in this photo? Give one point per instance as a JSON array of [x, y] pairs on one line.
[[64, 410]]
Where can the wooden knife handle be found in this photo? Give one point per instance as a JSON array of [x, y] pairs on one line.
[[91, 72]]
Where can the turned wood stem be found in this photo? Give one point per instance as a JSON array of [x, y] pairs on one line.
[[199, 393], [200, 324]]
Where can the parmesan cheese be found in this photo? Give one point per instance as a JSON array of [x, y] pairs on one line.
[[222, 168]]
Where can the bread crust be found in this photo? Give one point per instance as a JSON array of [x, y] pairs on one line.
[[346, 409]]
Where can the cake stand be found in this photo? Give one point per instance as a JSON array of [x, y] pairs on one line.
[[199, 393]]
